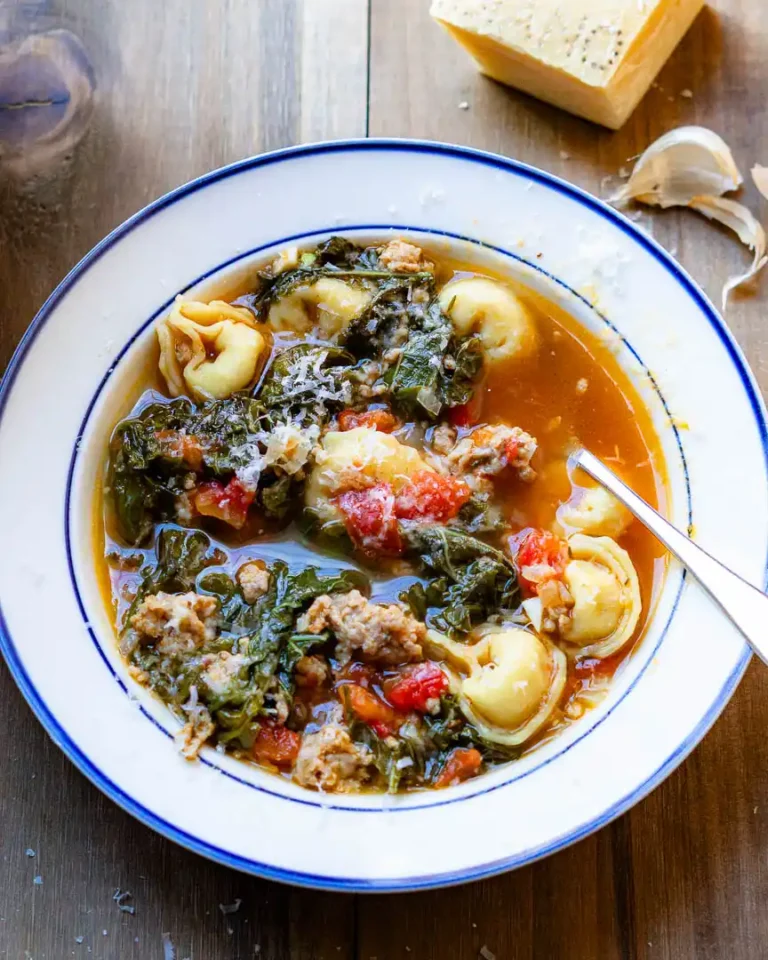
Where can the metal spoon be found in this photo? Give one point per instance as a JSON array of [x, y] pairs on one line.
[[745, 605]]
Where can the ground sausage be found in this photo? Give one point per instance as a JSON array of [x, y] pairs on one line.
[[401, 257], [177, 623], [329, 760], [382, 632], [253, 578], [489, 450]]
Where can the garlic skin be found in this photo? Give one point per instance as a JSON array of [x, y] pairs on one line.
[[760, 176], [685, 163], [694, 167], [738, 218]]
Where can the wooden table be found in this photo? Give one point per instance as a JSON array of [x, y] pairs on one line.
[[184, 86]]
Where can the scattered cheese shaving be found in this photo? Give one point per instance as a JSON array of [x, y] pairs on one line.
[[227, 908], [694, 167]]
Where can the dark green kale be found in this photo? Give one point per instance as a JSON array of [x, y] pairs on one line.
[[389, 752], [144, 476], [305, 386], [263, 633], [435, 369], [469, 580], [396, 308], [149, 465], [448, 729], [335, 257]]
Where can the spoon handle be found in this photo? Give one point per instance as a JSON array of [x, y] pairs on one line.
[[746, 606]]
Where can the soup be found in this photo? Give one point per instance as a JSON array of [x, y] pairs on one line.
[[342, 539]]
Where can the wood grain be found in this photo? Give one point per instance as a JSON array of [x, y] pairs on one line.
[[184, 86], [683, 874]]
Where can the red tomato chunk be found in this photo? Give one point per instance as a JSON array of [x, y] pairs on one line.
[[431, 497], [381, 420], [466, 414], [417, 686], [372, 710], [181, 446], [369, 516], [229, 503], [460, 766], [276, 744], [541, 556]]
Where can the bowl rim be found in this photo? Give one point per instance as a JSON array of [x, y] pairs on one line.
[[82, 762]]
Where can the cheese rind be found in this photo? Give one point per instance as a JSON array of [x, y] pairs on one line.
[[594, 58]]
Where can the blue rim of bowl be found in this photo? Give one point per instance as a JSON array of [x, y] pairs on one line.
[[370, 230], [732, 349]]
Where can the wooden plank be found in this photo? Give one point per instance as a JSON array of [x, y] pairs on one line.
[[683, 874], [182, 87]]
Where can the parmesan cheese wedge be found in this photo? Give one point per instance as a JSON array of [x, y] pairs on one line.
[[594, 58]]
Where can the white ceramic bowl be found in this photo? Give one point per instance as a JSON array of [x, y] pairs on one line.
[[66, 384]]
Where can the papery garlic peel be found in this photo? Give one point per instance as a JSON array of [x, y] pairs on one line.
[[694, 167]]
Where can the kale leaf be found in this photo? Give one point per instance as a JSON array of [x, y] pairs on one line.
[[469, 580], [448, 729], [147, 469], [305, 385], [435, 368], [263, 633], [144, 479]]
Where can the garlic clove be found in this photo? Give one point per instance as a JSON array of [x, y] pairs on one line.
[[693, 167], [685, 163], [738, 218], [760, 176]]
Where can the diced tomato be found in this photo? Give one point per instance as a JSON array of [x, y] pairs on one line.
[[382, 420], [369, 516], [541, 556], [229, 503], [276, 744], [460, 766], [467, 414], [381, 729], [180, 446], [511, 449], [416, 686], [372, 709], [431, 497]]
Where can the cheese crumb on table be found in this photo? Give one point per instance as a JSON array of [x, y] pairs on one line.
[[594, 58]]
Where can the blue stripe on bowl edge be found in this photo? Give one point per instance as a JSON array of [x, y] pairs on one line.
[[281, 243], [469, 155]]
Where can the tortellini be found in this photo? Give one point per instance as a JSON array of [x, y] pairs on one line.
[[595, 512], [606, 596], [328, 304], [492, 311], [514, 680], [210, 350], [355, 459]]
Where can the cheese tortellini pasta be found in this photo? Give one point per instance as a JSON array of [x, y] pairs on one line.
[[210, 350], [504, 324], [602, 581], [508, 683], [328, 304], [595, 512], [356, 459]]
